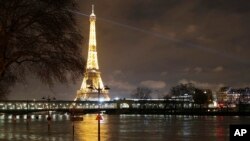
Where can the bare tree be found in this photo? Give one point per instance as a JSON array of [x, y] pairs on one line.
[[200, 97], [141, 93], [39, 37], [182, 89]]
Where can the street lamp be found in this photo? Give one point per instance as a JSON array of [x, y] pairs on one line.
[[48, 109], [98, 118], [28, 118]]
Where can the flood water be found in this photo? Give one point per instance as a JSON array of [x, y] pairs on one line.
[[120, 128]]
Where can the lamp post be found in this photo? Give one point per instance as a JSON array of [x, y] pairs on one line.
[[28, 118], [99, 112], [48, 109]]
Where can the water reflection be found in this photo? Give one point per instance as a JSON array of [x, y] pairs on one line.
[[86, 130], [121, 128]]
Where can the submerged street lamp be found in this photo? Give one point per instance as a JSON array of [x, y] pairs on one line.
[[99, 117], [28, 118], [48, 109]]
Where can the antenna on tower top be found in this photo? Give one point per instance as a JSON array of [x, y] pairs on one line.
[[92, 8]]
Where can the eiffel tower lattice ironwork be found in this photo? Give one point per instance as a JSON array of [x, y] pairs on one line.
[[92, 75]]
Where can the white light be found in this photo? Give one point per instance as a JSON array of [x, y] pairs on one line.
[[117, 98], [215, 104], [101, 99]]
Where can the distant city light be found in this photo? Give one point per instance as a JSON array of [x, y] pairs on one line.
[[101, 99]]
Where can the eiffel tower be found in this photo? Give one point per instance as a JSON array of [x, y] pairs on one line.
[[92, 87]]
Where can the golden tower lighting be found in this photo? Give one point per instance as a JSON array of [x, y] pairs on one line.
[[92, 81]]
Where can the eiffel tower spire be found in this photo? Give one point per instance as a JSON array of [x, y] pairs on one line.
[[92, 75]]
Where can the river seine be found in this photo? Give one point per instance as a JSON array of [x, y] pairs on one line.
[[120, 128]]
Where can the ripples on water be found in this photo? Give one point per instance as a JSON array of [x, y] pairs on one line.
[[120, 128]]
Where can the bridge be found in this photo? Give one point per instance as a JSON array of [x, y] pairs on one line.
[[32, 106], [120, 106]]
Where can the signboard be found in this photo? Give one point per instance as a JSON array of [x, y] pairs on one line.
[[99, 117]]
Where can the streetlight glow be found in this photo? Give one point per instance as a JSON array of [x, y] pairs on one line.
[[99, 117]]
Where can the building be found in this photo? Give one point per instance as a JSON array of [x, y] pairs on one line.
[[92, 87]]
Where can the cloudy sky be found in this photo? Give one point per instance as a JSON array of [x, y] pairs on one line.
[[160, 43]]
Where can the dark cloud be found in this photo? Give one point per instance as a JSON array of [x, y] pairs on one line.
[[227, 6], [168, 41]]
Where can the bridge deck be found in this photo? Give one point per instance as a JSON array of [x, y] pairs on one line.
[[115, 106]]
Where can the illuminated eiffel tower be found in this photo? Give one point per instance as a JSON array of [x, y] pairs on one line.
[[92, 84]]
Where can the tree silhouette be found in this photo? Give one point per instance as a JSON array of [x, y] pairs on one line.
[[200, 97], [182, 89], [38, 37], [141, 93]]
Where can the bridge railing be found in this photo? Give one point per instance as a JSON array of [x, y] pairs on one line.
[[53, 105], [9, 105]]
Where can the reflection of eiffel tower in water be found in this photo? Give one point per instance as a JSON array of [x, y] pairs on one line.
[[92, 76]]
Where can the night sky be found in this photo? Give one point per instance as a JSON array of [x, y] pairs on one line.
[[159, 44]]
